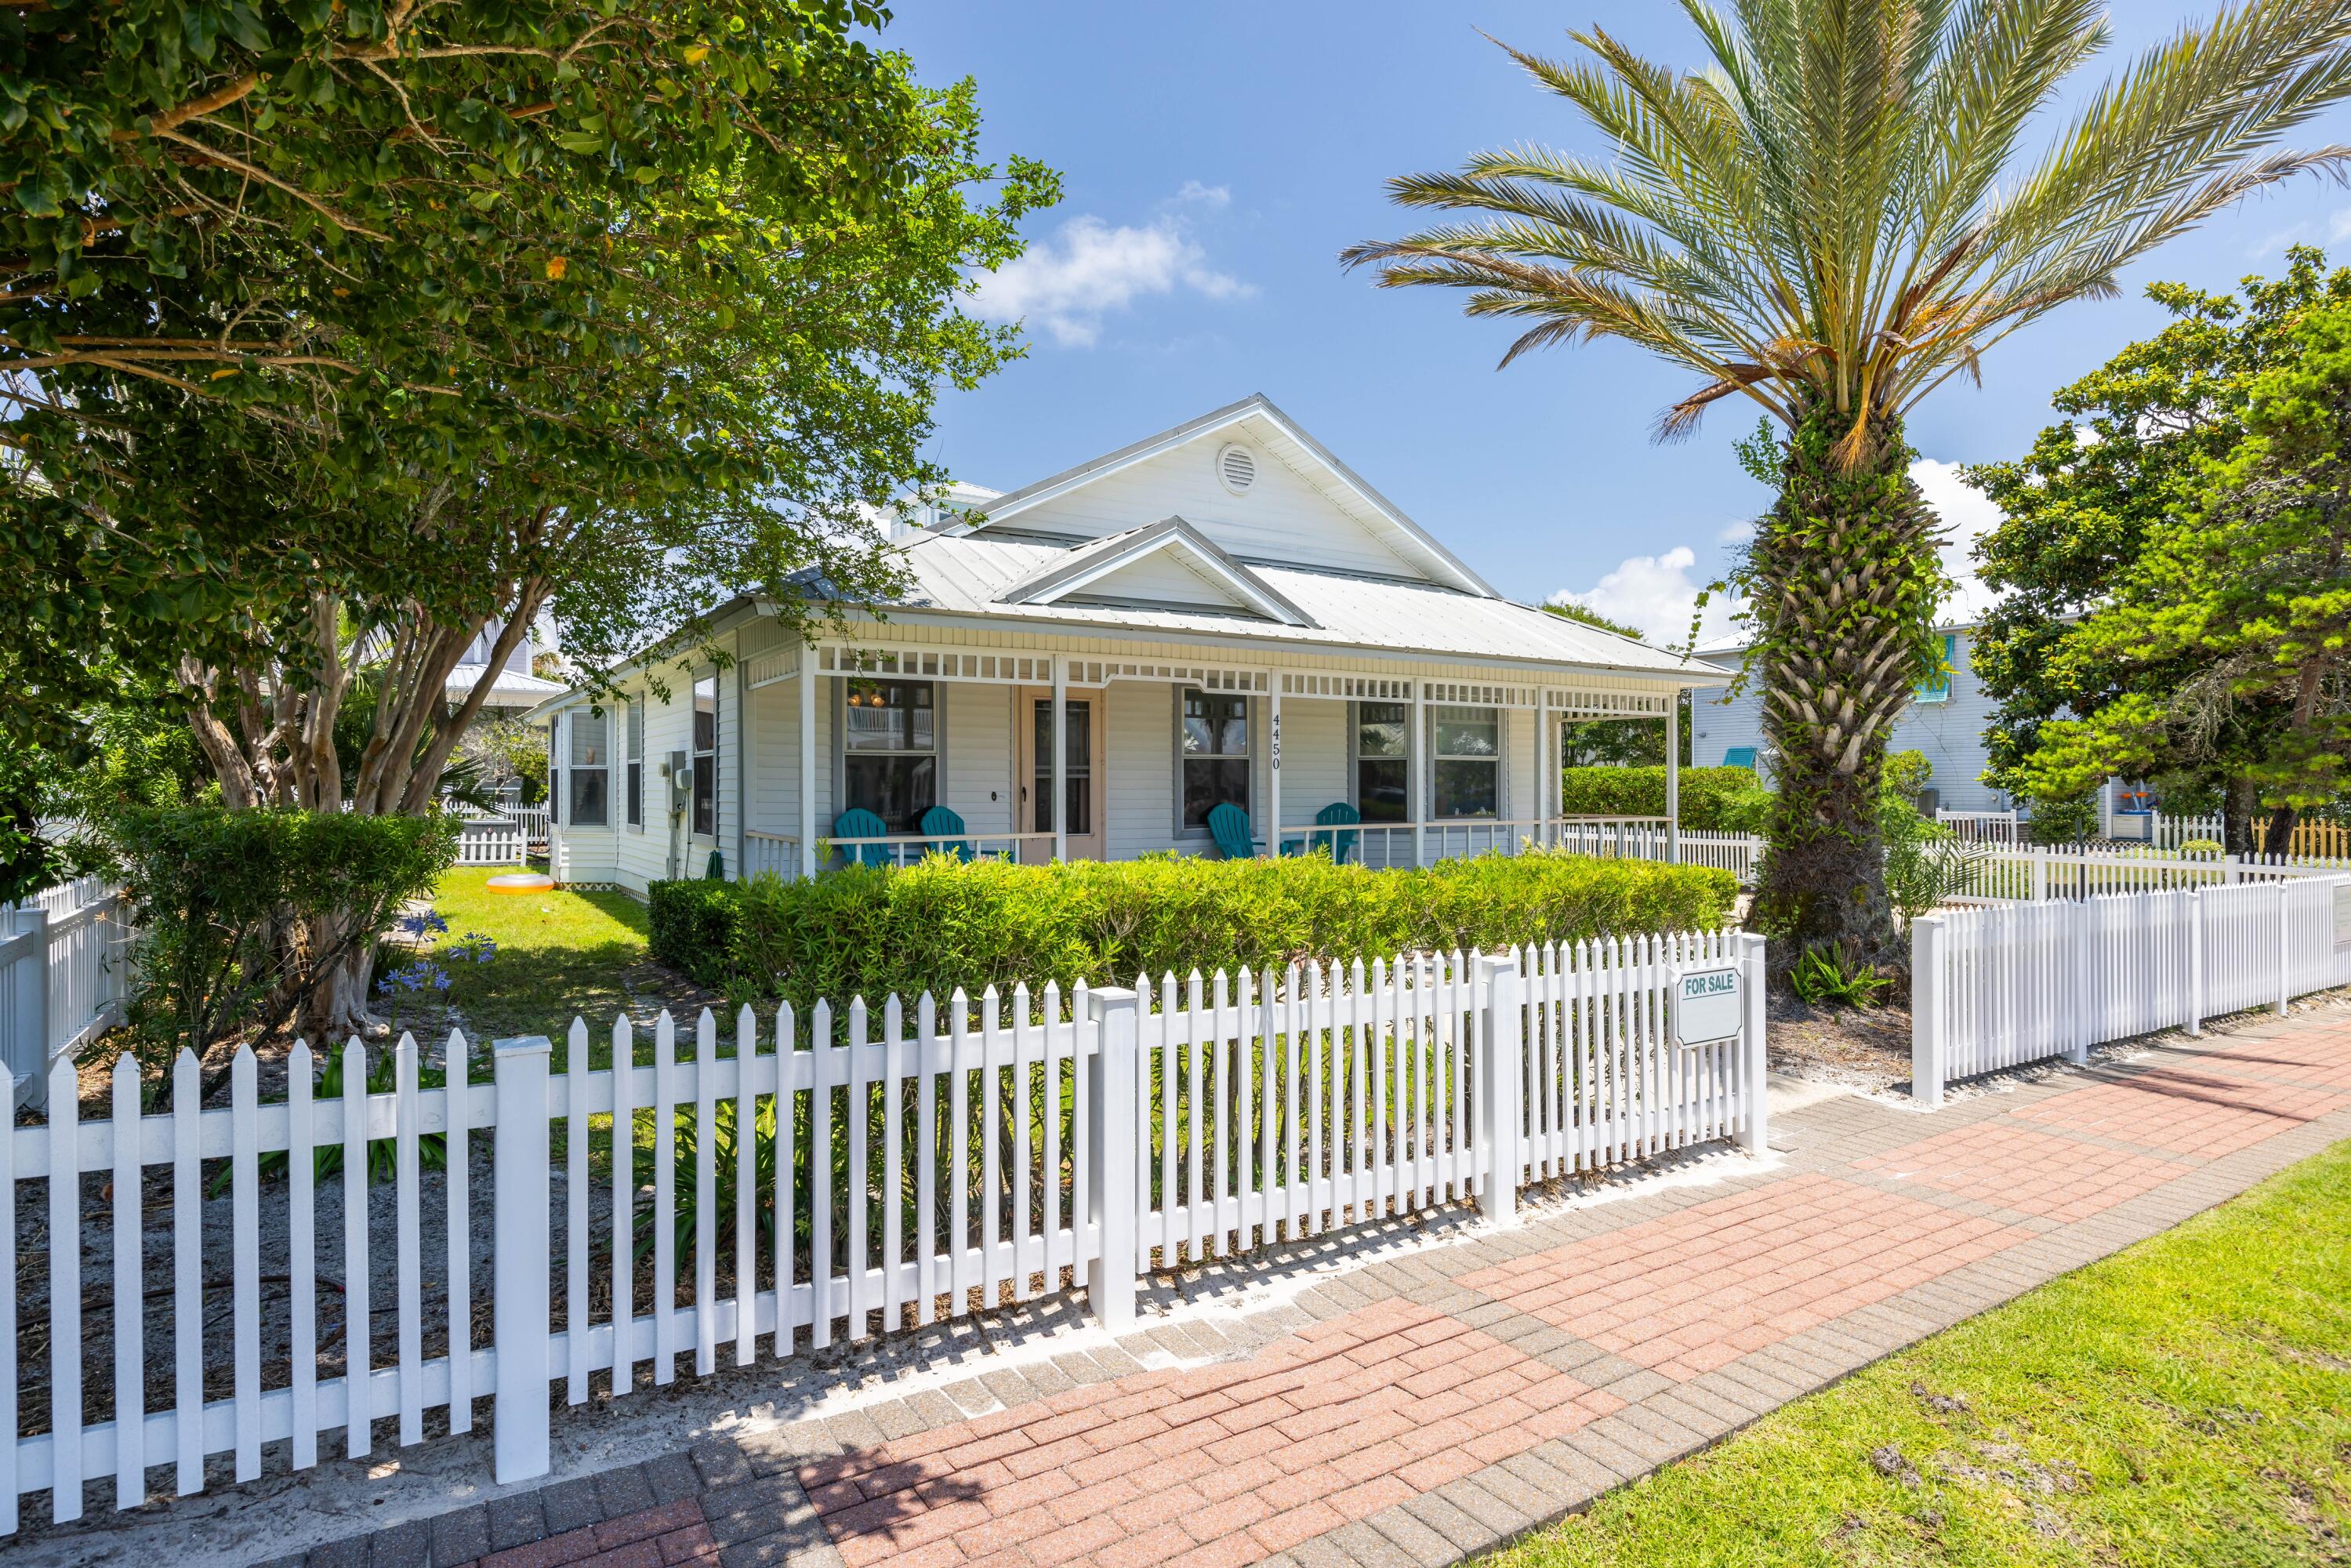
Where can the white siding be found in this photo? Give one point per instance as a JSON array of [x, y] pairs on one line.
[[1313, 758], [1139, 807], [1282, 518], [1158, 578], [977, 782], [1520, 755]]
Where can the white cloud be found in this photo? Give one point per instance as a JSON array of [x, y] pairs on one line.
[[1088, 269], [1656, 594]]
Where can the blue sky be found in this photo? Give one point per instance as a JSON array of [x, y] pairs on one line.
[[1217, 157]]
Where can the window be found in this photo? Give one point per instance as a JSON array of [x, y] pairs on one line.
[[705, 756], [1077, 721], [1936, 687], [636, 765], [592, 766], [890, 751], [1215, 755], [1466, 744], [1384, 761]]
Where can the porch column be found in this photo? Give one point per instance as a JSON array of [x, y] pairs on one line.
[[1416, 751], [1674, 782], [808, 761], [1061, 759], [1273, 769]]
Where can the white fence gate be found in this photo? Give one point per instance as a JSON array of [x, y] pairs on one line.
[[2002, 986], [904, 1169], [64, 972]]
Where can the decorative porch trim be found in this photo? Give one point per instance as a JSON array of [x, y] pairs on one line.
[[1473, 694], [1032, 669], [1354, 688], [775, 665], [1609, 705]]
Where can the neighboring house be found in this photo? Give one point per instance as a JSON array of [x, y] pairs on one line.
[[1946, 720], [1229, 616], [513, 687]]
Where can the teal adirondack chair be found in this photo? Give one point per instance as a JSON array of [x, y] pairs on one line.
[[945, 830], [857, 822], [1229, 826], [1340, 844]]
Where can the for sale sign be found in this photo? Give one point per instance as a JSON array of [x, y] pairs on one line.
[[1706, 1005]]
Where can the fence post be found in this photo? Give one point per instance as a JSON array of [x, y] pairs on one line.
[[1114, 1089], [1753, 1120], [1927, 935], [519, 1313], [2286, 946], [28, 1062], [1500, 1098], [2040, 891], [2083, 916], [2196, 962]]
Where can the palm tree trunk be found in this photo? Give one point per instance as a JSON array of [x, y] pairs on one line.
[[1845, 578]]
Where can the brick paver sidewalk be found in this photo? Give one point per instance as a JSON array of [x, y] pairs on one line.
[[1430, 1406]]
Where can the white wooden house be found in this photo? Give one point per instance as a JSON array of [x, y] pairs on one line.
[[1224, 612]]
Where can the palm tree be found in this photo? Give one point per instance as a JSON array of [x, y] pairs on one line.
[[1834, 218]]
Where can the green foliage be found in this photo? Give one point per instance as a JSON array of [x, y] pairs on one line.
[[941, 924], [1924, 862], [2079, 511], [1717, 799], [2201, 847], [2063, 819], [2241, 599], [691, 927], [1828, 976], [240, 912]]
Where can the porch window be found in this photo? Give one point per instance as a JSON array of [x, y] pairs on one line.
[[1466, 744], [1382, 761], [1215, 755], [636, 765], [705, 756], [890, 751], [591, 766]]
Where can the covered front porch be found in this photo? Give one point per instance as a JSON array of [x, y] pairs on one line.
[[886, 754]]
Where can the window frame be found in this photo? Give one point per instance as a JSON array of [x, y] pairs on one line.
[[841, 751], [578, 771], [632, 729], [1356, 757], [1248, 756], [1435, 757], [695, 755], [1940, 692]]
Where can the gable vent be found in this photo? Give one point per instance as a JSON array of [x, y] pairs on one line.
[[1237, 466]]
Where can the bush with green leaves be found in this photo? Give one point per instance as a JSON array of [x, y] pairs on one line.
[[1720, 799], [240, 914], [2064, 822], [1830, 977], [942, 924]]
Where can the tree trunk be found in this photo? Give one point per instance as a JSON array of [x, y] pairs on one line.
[[2277, 836], [2237, 804], [1845, 579]]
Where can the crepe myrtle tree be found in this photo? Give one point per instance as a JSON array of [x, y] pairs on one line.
[[1836, 215], [744, 380]]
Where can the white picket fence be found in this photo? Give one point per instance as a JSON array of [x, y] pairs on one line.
[[63, 976], [913, 1165], [1739, 853], [493, 841], [2002, 872], [1999, 986], [1982, 827]]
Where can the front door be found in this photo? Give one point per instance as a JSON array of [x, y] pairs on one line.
[[1083, 726]]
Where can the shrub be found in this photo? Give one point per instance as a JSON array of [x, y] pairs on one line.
[[1829, 977], [241, 913], [691, 927], [1714, 798], [941, 923]]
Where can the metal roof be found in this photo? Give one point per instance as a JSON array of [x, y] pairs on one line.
[[970, 574]]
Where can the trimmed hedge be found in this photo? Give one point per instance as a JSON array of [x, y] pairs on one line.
[[1725, 799], [871, 931]]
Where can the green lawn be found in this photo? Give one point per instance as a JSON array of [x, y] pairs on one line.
[[2188, 1401], [558, 953]]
